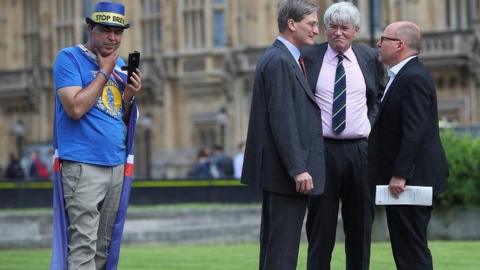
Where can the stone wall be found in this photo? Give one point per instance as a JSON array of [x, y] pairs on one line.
[[209, 224]]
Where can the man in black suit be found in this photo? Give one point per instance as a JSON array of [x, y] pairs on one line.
[[345, 137], [284, 147], [404, 145]]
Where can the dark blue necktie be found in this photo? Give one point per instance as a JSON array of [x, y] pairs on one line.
[[339, 98]]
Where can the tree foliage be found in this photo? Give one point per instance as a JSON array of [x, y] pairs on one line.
[[463, 155]]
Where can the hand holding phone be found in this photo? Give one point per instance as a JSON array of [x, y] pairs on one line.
[[133, 63]]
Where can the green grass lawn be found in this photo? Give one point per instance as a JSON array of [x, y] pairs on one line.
[[453, 255]]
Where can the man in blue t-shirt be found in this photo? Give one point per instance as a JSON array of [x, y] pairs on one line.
[[93, 101]]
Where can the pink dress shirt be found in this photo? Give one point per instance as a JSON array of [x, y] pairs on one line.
[[357, 124]]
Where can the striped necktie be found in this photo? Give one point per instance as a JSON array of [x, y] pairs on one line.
[[339, 98]]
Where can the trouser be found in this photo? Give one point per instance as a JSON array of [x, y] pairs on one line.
[[92, 196], [407, 226], [281, 228], [346, 180]]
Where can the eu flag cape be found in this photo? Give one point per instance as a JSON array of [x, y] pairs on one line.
[[60, 218]]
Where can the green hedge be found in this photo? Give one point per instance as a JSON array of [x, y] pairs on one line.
[[463, 154]]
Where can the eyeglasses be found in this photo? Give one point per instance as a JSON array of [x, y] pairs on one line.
[[342, 28], [312, 24], [383, 38]]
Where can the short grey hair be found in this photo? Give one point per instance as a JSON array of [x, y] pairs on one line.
[[342, 13], [295, 10]]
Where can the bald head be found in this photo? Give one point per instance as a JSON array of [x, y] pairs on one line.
[[409, 33], [399, 41]]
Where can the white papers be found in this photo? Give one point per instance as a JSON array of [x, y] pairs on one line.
[[413, 195]]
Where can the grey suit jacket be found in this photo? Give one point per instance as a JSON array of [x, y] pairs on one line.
[[373, 72], [285, 133]]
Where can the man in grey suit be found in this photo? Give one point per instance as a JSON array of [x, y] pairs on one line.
[[347, 80], [284, 147]]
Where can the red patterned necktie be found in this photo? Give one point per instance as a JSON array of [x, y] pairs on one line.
[[302, 65]]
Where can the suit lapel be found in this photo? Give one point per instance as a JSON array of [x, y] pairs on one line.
[[298, 72], [313, 66], [366, 67], [393, 85], [385, 98], [390, 89]]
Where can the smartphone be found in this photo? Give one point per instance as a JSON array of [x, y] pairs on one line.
[[133, 63]]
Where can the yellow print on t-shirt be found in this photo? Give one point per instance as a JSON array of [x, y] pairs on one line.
[[111, 99]]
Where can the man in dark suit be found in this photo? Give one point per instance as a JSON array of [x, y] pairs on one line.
[[351, 74], [284, 147], [404, 146]]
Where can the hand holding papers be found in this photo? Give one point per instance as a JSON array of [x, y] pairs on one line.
[[413, 195]]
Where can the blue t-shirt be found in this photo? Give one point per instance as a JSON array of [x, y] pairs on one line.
[[98, 137]]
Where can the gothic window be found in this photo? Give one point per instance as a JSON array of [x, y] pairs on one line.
[[458, 14], [3, 29], [448, 19], [31, 32], [204, 24], [469, 15], [218, 23], [65, 22], [151, 26], [377, 15], [193, 13], [87, 6], [463, 14]]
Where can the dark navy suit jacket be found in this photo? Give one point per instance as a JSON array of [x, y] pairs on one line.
[[405, 139]]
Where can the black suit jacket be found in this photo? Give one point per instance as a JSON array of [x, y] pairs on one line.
[[285, 133], [405, 140], [373, 72]]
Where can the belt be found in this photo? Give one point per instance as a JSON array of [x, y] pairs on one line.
[[344, 140]]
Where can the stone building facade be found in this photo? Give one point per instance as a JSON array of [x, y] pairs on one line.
[[198, 61]]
